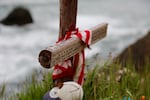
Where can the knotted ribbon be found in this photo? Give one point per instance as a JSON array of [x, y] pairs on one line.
[[73, 67]]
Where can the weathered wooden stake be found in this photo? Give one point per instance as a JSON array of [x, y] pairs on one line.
[[68, 13], [64, 50]]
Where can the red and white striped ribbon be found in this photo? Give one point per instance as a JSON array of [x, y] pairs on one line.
[[73, 68]]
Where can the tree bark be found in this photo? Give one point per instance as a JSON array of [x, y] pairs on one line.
[[68, 13]]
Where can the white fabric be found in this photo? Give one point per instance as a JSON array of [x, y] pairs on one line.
[[69, 91]]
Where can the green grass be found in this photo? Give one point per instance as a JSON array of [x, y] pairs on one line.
[[36, 90], [100, 84]]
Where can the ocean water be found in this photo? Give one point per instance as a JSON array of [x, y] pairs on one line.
[[128, 21]]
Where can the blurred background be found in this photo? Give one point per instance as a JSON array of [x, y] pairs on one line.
[[128, 21]]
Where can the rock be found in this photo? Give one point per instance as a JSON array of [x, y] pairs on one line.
[[18, 16], [138, 53]]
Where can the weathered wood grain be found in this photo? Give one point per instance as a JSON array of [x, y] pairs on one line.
[[52, 55], [68, 13]]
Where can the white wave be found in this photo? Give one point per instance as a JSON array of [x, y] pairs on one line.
[[14, 2]]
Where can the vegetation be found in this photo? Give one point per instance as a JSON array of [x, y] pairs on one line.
[[111, 82], [36, 90], [105, 85]]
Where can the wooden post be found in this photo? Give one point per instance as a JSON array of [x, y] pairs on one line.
[[68, 13], [54, 54]]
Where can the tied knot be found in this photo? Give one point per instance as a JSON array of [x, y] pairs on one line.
[[70, 33], [85, 36], [74, 66]]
